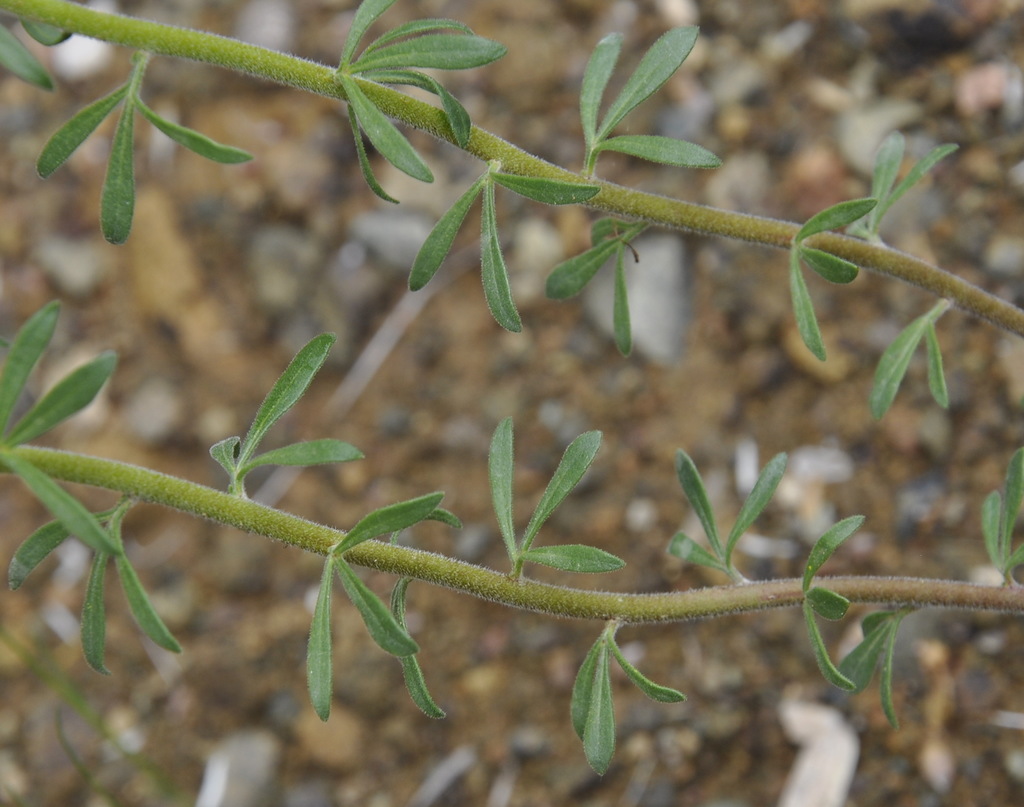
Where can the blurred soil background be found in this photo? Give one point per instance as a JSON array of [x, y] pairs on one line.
[[229, 270]]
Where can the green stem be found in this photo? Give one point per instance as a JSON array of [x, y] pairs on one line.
[[215, 505], [320, 79]]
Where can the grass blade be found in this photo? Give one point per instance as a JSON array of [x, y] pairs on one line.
[[501, 473], [117, 202], [803, 308], [72, 134], [141, 607], [319, 659], [574, 463], [384, 135], [828, 543], [70, 512], [20, 61], [659, 63], [595, 80], [758, 498], [697, 495], [380, 622], [33, 551], [289, 387], [439, 243], [664, 150], [94, 615], [574, 558], [29, 344], [68, 396], [193, 140], [494, 272]]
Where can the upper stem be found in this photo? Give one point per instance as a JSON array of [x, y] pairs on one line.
[[158, 488], [320, 79]]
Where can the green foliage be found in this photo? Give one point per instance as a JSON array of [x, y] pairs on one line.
[[895, 361], [663, 58], [999, 516], [16, 57], [720, 557], [414, 680], [880, 630]]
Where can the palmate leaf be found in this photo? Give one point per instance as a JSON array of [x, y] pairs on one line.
[[392, 518], [117, 202], [193, 140], [758, 498], [575, 461], [439, 51], [319, 658], [28, 345], [72, 134], [493, 271], [381, 624], [664, 150], [68, 396], [501, 472], [656, 67], [578, 558], [595, 79], [803, 308], [17, 58], [289, 387], [33, 551], [411, 670], [141, 607], [439, 242]]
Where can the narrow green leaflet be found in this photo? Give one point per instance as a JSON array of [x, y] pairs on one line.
[[685, 548], [364, 160], [836, 216], [936, 377], [117, 202], [574, 463], [860, 663], [991, 512], [548, 191], [827, 603], [439, 243], [226, 453], [458, 118], [389, 519], [654, 691], [595, 79], [828, 543], [289, 387], [583, 688], [915, 174], [384, 135], [69, 395], [193, 140], [1011, 505], [803, 308], [493, 271], [887, 168], [501, 473], [659, 63], [311, 452], [828, 669], [758, 498], [411, 671], [569, 277], [658, 149], [319, 660], [443, 516], [43, 33], [697, 495], [574, 558], [414, 27], [33, 551], [17, 58], [94, 615], [831, 267], [29, 344], [380, 622], [886, 689], [892, 367], [72, 134], [431, 51], [70, 512], [141, 607], [366, 14], [621, 323], [599, 728]]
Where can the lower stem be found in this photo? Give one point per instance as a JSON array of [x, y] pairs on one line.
[[677, 606]]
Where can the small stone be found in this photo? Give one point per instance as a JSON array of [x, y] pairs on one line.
[[1004, 256], [268, 23], [241, 771], [861, 129], [338, 744], [280, 259], [75, 267], [155, 411], [393, 237]]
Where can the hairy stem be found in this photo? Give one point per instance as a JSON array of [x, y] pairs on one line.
[[223, 508], [321, 79]]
